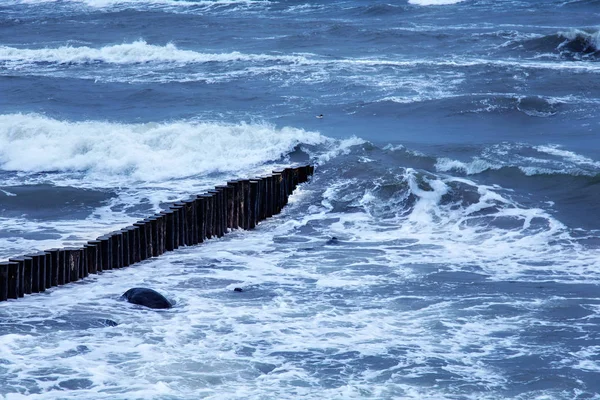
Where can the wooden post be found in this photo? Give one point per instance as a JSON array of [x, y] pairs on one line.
[[94, 256], [72, 260], [50, 267], [244, 188], [169, 229], [141, 225], [240, 199], [282, 187], [38, 272], [24, 274], [182, 223], [261, 199], [224, 197], [32, 274], [269, 196], [124, 247], [134, 245], [200, 218], [12, 279], [8, 284], [61, 268], [148, 235], [116, 239], [160, 233], [191, 237], [234, 207], [216, 213], [252, 204], [207, 200], [105, 253], [176, 225]]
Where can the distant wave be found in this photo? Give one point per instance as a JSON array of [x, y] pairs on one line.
[[142, 152], [574, 44], [130, 53], [204, 4], [434, 2], [579, 41], [537, 160]]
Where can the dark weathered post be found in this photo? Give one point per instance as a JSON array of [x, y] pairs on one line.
[[49, 270], [182, 234], [105, 253], [282, 188], [160, 232], [169, 226], [276, 193], [234, 210], [61, 268], [200, 218], [12, 279], [124, 247], [72, 256], [148, 233], [252, 204], [134, 245], [94, 256], [117, 249], [207, 201], [32, 274], [39, 258], [141, 225], [224, 205], [216, 213], [52, 267], [8, 285], [241, 208], [25, 264], [153, 224], [177, 212], [268, 196], [261, 199]]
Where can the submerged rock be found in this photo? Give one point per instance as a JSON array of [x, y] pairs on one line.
[[333, 240], [146, 297]]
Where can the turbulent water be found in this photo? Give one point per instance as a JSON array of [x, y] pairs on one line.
[[457, 163]]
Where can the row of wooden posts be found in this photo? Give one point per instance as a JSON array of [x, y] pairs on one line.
[[239, 204]]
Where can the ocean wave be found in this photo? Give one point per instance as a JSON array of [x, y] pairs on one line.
[[150, 152], [548, 159], [138, 52], [573, 44], [172, 4], [434, 2]]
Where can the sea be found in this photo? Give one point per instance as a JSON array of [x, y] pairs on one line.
[[447, 246]]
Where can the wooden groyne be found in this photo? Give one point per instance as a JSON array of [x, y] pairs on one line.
[[240, 204]]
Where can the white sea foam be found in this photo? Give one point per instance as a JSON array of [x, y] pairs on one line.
[[152, 152], [138, 52], [315, 321]]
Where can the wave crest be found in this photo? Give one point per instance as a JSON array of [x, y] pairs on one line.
[[150, 152]]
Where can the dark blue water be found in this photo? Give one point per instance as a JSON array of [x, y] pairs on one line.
[[457, 164]]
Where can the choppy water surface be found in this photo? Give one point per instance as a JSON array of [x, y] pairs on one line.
[[456, 167]]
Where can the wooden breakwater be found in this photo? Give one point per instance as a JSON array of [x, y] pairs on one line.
[[239, 204]]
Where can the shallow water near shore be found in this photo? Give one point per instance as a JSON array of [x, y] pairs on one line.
[[456, 166]]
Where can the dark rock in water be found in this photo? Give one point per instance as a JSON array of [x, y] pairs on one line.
[[333, 240], [107, 322], [238, 289], [146, 297]]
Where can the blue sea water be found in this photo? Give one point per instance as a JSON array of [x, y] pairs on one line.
[[457, 164]]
